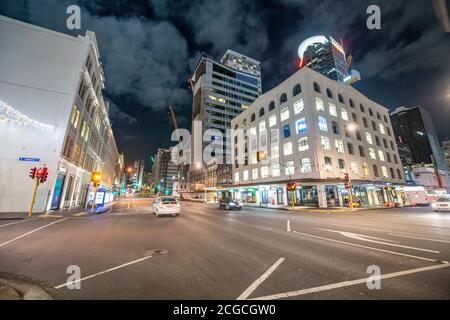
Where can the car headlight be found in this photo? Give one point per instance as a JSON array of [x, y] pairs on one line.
[[232, 204], [434, 205]]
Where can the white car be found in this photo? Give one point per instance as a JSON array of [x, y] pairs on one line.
[[441, 204], [166, 206]]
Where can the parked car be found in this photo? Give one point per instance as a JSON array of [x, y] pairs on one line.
[[230, 204], [166, 206], [442, 204]]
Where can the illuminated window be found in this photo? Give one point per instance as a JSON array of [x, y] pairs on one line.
[[344, 114], [325, 143], [366, 169], [83, 128], [369, 138], [272, 120], [372, 154], [385, 172], [287, 148], [236, 177], [262, 126], [274, 151], [319, 105], [339, 145], [323, 123], [298, 106], [276, 170], [305, 165], [284, 115], [300, 125], [382, 129], [381, 155], [75, 117], [255, 174], [354, 167], [303, 144], [245, 175], [264, 172], [333, 110], [289, 169]]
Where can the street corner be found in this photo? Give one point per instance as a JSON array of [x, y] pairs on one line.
[[18, 287]]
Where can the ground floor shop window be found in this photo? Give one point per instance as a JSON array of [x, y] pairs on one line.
[[304, 196], [332, 196], [360, 196]]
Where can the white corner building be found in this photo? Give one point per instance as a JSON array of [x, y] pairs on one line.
[[314, 130], [52, 114]]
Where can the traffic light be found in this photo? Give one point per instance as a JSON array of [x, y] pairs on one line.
[[347, 181], [291, 186], [96, 178], [32, 174], [39, 173], [44, 175]]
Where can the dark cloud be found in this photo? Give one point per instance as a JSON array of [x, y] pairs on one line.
[[117, 116], [150, 47]]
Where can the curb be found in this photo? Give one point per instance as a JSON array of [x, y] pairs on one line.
[[16, 287]]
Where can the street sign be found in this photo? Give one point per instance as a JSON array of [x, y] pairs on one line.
[[29, 159]]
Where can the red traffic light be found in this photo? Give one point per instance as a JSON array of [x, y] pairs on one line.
[[291, 186], [32, 174], [44, 174]]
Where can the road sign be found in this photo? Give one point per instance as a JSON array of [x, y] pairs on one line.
[[29, 159]]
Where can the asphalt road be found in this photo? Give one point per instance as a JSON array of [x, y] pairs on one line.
[[216, 254]]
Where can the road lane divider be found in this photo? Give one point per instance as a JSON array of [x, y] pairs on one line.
[[148, 255], [427, 239], [260, 280], [365, 247], [362, 237], [30, 232], [17, 222], [350, 283]]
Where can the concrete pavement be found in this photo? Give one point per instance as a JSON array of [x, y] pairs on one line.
[[215, 254]]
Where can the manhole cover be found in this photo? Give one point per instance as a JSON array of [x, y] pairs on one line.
[[156, 252]]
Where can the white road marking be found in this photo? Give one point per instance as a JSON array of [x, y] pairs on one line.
[[10, 224], [370, 239], [32, 231], [103, 272], [129, 202], [288, 227], [365, 247], [349, 283], [428, 239], [260, 280]]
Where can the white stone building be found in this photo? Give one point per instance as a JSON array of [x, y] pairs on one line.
[[314, 130], [52, 111]]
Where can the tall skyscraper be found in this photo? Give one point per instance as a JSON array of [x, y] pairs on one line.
[[221, 91], [414, 127], [326, 56], [138, 174], [165, 172]]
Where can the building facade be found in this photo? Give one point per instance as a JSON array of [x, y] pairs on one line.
[[446, 151], [138, 174], [313, 130], [52, 111], [414, 127], [165, 172], [221, 90]]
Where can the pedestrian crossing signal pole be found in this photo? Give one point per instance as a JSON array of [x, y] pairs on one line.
[[39, 176], [96, 178], [348, 186]]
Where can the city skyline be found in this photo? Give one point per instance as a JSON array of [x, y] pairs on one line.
[[158, 70]]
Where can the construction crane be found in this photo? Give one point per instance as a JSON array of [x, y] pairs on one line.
[[349, 61], [173, 117]]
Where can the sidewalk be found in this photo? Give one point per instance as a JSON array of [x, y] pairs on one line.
[[15, 287], [50, 214]]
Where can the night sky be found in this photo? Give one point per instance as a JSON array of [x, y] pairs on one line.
[[149, 49]]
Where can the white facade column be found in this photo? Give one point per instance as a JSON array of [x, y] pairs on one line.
[[322, 196], [285, 198]]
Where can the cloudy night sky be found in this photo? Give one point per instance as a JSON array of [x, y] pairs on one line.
[[149, 49]]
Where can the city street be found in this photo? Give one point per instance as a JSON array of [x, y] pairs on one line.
[[207, 253]]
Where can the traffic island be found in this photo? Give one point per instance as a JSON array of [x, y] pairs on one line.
[[16, 287]]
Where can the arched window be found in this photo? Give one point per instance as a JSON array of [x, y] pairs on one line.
[[316, 87], [329, 93], [244, 122], [271, 105], [261, 112], [253, 117], [341, 98], [352, 104], [296, 90], [235, 127], [283, 98]]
